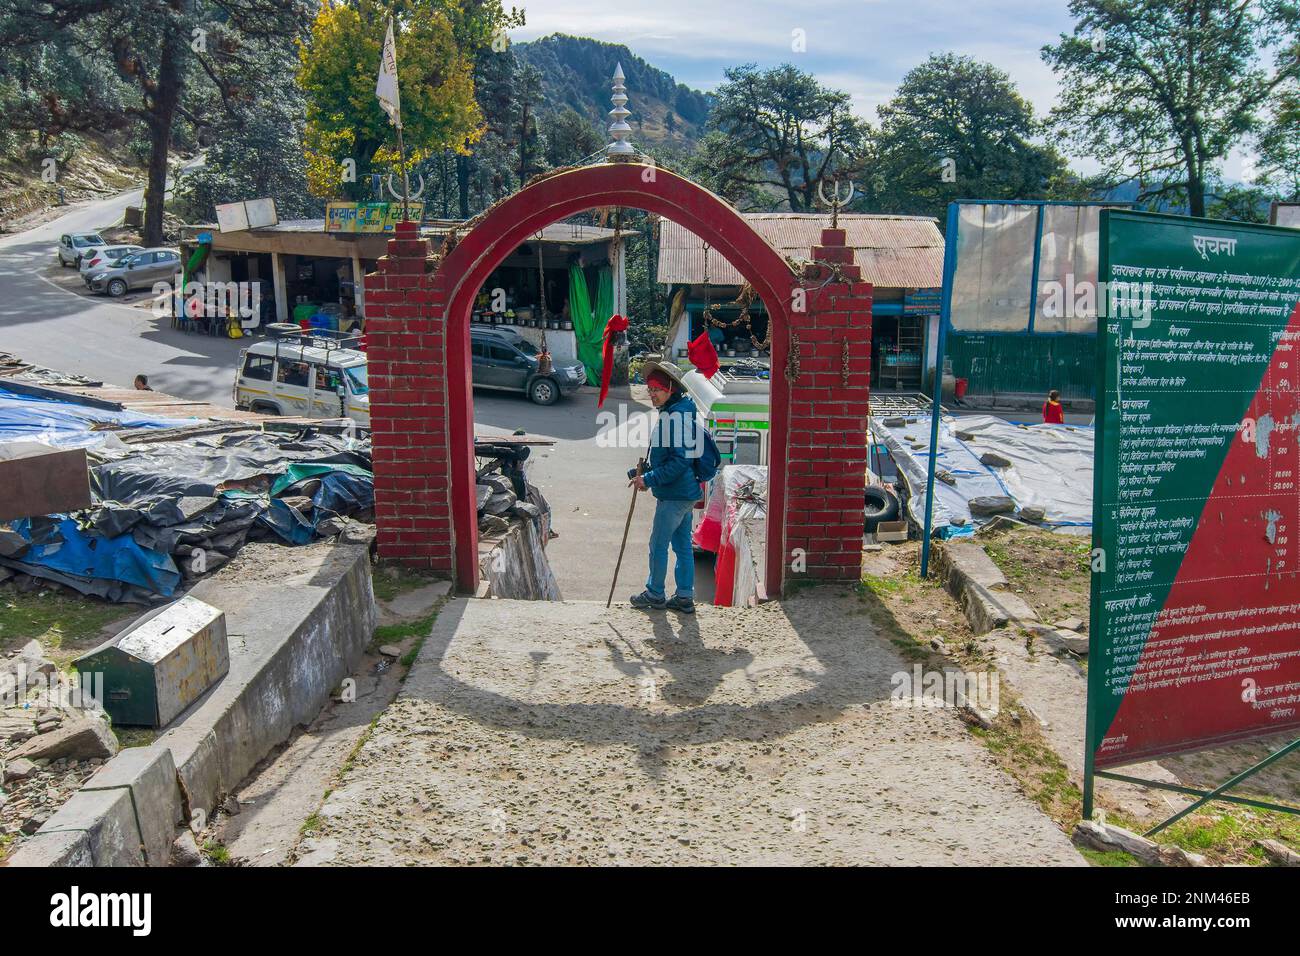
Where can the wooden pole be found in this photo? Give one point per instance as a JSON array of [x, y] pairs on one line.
[[640, 470]]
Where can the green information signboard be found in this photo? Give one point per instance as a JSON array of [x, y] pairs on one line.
[[1195, 611]]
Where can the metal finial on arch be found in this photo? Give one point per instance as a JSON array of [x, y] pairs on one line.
[[837, 202]]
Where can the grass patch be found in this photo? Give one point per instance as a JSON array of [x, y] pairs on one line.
[[1225, 834], [66, 624], [135, 736], [393, 633], [217, 853], [390, 580], [351, 758], [1022, 555], [909, 648], [315, 823], [408, 659], [886, 586], [1113, 858], [1022, 752]]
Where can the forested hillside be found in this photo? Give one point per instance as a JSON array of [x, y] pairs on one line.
[[576, 74]]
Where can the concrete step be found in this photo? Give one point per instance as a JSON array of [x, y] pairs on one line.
[[970, 576]]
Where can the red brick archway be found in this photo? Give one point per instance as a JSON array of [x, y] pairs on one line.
[[421, 399]]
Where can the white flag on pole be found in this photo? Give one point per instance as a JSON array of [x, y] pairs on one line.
[[386, 88]]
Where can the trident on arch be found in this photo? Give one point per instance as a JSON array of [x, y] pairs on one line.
[[836, 202], [414, 196]]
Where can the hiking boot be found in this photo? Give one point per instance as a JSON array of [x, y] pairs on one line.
[[684, 604], [647, 602]]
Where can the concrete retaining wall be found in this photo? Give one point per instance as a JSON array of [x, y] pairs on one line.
[[298, 634], [297, 621]]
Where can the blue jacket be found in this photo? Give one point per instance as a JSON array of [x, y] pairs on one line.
[[672, 472]]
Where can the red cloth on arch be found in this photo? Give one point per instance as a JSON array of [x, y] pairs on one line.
[[703, 355], [615, 325]]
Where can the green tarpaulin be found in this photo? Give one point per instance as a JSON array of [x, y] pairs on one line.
[[589, 324], [300, 470]]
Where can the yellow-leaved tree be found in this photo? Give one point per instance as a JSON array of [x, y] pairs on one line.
[[437, 43]]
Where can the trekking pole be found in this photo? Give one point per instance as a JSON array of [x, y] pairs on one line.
[[640, 470]]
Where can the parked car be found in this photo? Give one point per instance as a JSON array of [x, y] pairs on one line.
[[140, 270], [304, 376], [74, 245], [505, 360], [99, 260]]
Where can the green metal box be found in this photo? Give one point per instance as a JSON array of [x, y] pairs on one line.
[[159, 666]]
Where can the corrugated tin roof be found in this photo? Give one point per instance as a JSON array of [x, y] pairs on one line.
[[557, 232], [894, 251]]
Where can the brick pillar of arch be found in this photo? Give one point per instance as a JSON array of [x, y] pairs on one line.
[[829, 393], [405, 314]]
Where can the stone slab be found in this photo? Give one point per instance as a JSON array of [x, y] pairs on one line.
[[108, 820], [149, 775], [62, 848]]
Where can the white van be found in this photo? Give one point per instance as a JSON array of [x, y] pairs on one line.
[[304, 376], [737, 410], [738, 413]]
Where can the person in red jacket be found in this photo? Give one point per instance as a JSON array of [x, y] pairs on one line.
[[1053, 411]]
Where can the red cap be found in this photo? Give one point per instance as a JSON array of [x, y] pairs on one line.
[[660, 380]]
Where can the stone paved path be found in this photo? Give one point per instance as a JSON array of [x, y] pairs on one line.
[[568, 734]]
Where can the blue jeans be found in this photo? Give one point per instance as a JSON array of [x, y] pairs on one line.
[[672, 525]]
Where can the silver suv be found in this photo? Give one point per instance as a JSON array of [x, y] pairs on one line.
[[140, 270]]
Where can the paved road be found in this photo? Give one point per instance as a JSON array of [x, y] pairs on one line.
[[48, 318], [44, 318], [584, 477]]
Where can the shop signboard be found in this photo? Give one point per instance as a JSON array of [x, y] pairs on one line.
[[369, 217]]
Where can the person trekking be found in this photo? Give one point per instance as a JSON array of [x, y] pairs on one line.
[[1053, 410], [672, 479]]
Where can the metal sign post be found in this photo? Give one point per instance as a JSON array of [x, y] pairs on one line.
[[936, 403]]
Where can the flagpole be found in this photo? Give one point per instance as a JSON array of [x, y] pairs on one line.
[[406, 176], [391, 101]]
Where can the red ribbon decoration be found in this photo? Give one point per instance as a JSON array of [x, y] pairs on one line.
[[615, 325], [703, 355]]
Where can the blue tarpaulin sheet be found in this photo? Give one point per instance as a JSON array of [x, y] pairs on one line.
[[87, 555], [69, 425]]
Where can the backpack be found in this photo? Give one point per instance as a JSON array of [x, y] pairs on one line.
[[707, 462]]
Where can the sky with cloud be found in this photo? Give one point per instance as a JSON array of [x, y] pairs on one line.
[[861, 46]]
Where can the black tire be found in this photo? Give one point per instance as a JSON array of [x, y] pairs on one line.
[[117, 288], [264, 408], [544, 391], [61, 262], [878, 504]]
